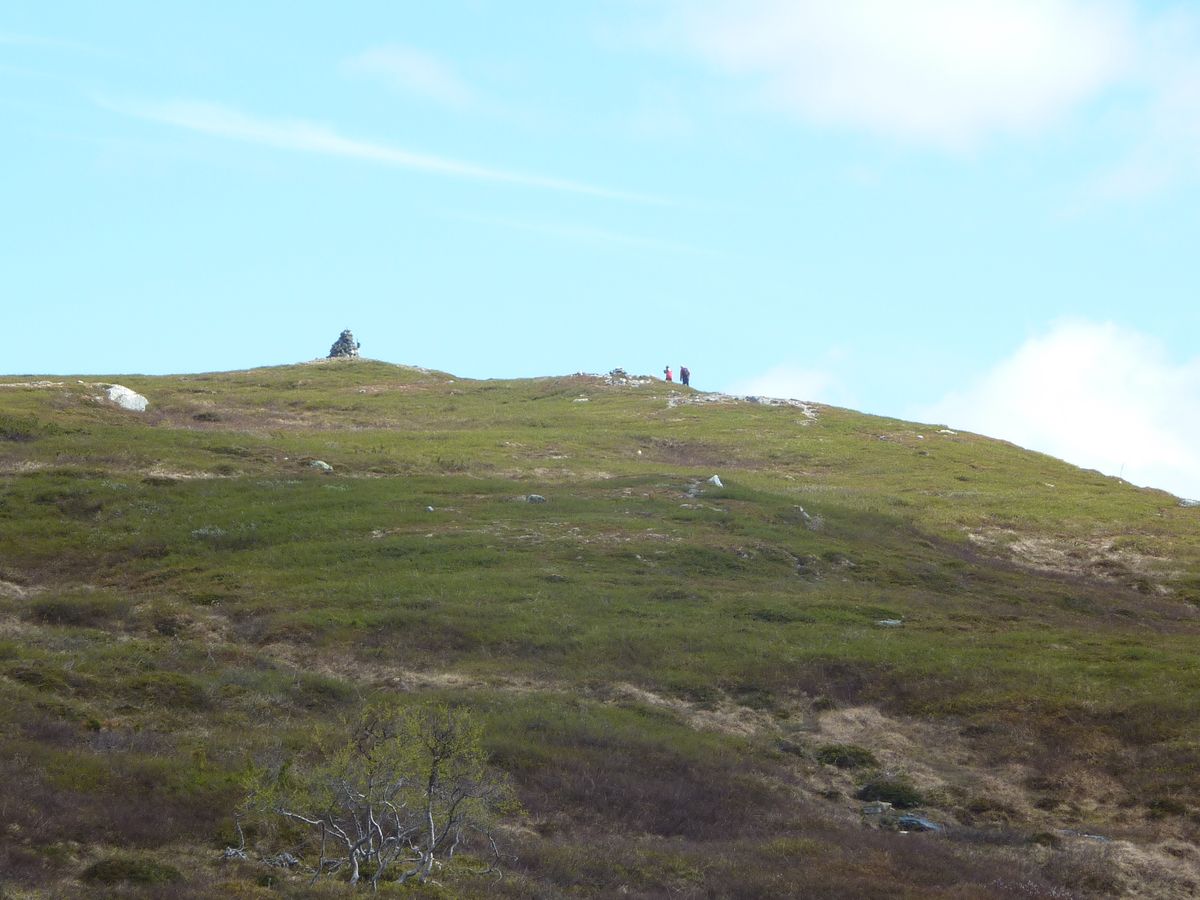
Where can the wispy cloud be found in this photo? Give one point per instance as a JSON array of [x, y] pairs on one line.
[[945, 73], [1095, 395], [311, 137], [412, 71], [40, 42], [1165, 117], [32, 40], [571, 232]]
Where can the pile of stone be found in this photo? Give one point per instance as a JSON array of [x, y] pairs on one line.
[[345, 347], [621, 378]]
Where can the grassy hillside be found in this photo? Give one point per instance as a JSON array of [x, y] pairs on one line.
[[668, 671]]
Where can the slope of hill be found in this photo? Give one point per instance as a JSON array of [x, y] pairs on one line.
[[689, 685]]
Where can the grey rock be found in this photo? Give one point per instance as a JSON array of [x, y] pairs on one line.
[[716, 481], [127, 399], [619, 377], [345, 347], [535, 498], [917, 823], [321, 465], [812, 523], [1099, 838], [677, 399], [889, 623]]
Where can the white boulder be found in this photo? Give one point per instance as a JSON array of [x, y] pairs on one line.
[[127, 399]]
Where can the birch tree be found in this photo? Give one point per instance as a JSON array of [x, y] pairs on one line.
[[400, 798]]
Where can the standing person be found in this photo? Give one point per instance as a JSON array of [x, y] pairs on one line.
[[667, 373], [685, 376]]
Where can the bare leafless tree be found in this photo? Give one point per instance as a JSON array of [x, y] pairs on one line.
[[407, 791]]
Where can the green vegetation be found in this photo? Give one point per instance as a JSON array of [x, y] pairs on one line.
[[847, 756], [896, 791], [184, 596], [117, 869], [404, 793]]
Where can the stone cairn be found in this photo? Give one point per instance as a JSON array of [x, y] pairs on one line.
[[345, 347]]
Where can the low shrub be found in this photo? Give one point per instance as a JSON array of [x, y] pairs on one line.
[[1046, 839], [131, 869], [78, 610], [753, 696], [1088, 868], [311, 691], [18, 429], [42, 676], [694, 687], [1166, 806], [170, 689], [846, 756], [896, 791]]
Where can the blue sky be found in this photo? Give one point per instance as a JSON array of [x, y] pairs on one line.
[[977, 212]]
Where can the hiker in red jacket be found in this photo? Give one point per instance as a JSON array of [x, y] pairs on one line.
[[667, 372]]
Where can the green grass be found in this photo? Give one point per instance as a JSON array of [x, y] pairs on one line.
[[182, 590]]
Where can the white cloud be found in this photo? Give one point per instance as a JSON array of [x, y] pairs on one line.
[[1165, 121], [301, 135], [1097, 396], [792, 382], [945, 73], [412, 71]]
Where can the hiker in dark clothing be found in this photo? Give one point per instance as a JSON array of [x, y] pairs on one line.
[[684, 375]]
